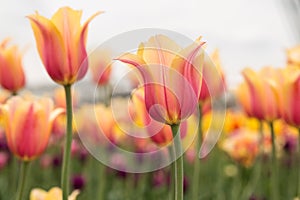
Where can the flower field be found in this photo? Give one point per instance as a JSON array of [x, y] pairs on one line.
[[169, 128]]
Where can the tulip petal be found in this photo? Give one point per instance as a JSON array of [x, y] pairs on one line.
[[55, 113], [159, 50], [80, 49], [50, 46], [38, 194]]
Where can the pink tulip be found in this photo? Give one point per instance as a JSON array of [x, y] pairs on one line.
[[171, 75]]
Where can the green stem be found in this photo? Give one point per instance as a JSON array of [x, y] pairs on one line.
[[102, 179], [298, 192], [173, 171], [274, 173], [178, 162], [145, 185], [260, 161], [22, 180], [196, 175], [261, 138], [68, 142]]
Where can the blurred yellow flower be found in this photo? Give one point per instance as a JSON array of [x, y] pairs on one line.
[[54, 193]]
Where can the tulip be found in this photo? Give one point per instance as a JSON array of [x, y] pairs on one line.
[[172, 81], [27, 126], [261, 101], [54, 193], [257, 95], [12, 75], [171, 76], [289, 104], [61, 43], [289, 93]]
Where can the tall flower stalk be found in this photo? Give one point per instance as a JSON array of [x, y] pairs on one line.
[[61, 43], [274, 173], [68, 142], [178, 179], [172, 79], [196, 175], [22, 180]]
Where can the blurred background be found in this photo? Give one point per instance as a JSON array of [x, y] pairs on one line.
[[250, 33]]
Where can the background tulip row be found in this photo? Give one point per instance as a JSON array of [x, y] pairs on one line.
[[256, 156]]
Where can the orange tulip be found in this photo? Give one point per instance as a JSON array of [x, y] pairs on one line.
[[171, 75], [100, 65], [290, 96], [12, 75], [213, 83], [61, 43], [257, 94], [28, 125]]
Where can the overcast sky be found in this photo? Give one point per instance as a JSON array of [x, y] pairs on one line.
[[247, 32]]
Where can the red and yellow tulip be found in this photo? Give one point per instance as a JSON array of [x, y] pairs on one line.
[[28, 125], [258, 96], [12, 76], [171, 75], [290, 96], [61, 43]]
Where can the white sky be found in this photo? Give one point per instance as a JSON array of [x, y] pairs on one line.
[[247, 32]]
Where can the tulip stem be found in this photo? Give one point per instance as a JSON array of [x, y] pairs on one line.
[[298, 163], [22, 179], [196, 174], [68, 142], [178, 162], [173, 171], [274, 181]]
